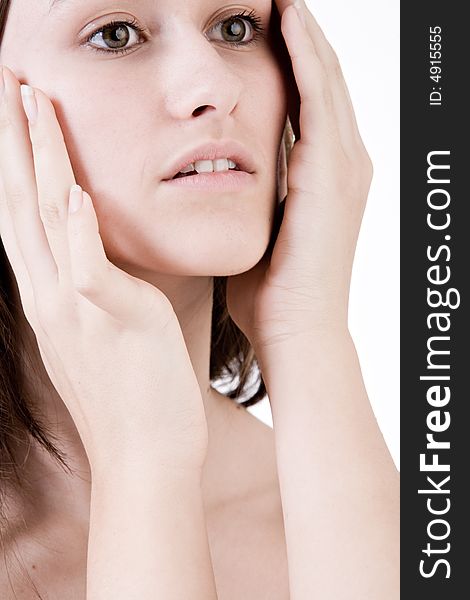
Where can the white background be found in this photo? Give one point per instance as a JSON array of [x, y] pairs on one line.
[[365, 35]]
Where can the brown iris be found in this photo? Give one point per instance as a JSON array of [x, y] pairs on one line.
[[121, 35], [234, 27]]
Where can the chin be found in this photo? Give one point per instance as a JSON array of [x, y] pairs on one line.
[[227, 260], [192, 243], [197, 257]]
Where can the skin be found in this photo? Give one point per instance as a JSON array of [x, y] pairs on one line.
[[173, 241], [294, 311], [222, 235]]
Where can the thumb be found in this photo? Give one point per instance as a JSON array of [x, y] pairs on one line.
[[126, 298]]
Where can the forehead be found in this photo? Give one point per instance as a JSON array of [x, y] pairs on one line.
[[44, 13], [56, 4]]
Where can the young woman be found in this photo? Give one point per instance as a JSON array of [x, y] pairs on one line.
[[122, 304]]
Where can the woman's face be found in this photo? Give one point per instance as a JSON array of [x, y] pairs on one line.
[[128, 116]]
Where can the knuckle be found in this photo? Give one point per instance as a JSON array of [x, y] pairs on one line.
[[88, 283], [357, 185], [15, 199], [333, 61], [360, 168], [40, 141], [50, 212], [338, 71], [368, 167], [354, 179]]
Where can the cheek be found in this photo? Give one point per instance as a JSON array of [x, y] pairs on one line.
[[105, 151], [270, 97], [271, 111]]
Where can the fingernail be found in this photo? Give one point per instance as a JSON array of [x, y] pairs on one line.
[[29, 103], [2, 82], [298, 4], [76, 199]]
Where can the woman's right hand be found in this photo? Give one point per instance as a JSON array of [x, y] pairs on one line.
[[111, 343]]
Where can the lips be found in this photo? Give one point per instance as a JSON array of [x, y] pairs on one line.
[[210, 151], [221, 182]]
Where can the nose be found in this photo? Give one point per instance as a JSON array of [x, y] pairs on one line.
[[197, 79]]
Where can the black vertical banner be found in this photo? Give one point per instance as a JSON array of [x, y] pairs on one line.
[[435, 312]]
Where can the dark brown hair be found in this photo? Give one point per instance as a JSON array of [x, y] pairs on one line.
[[231, 358]]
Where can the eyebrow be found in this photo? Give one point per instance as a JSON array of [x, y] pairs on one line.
[[54, 3]]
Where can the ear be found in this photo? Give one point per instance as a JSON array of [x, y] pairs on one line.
[[279, 48]]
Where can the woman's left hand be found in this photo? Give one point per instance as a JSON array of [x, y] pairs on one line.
[[304, 284]]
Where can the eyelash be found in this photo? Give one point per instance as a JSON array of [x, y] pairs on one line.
[[251, 17]]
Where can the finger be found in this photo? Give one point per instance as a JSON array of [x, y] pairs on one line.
[[317, 114], [116, 292], [347, 123], [15, 259], [19, 191], [282, 5], [54, 176]]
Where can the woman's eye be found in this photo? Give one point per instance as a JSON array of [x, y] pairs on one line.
[[116, 35], [236, 30]]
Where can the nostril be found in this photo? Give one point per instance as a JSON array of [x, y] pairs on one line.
[[200, 110]]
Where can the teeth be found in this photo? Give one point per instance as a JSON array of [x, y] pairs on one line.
[[204, 166], [188, 169], [209, 166], [220, 164]]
